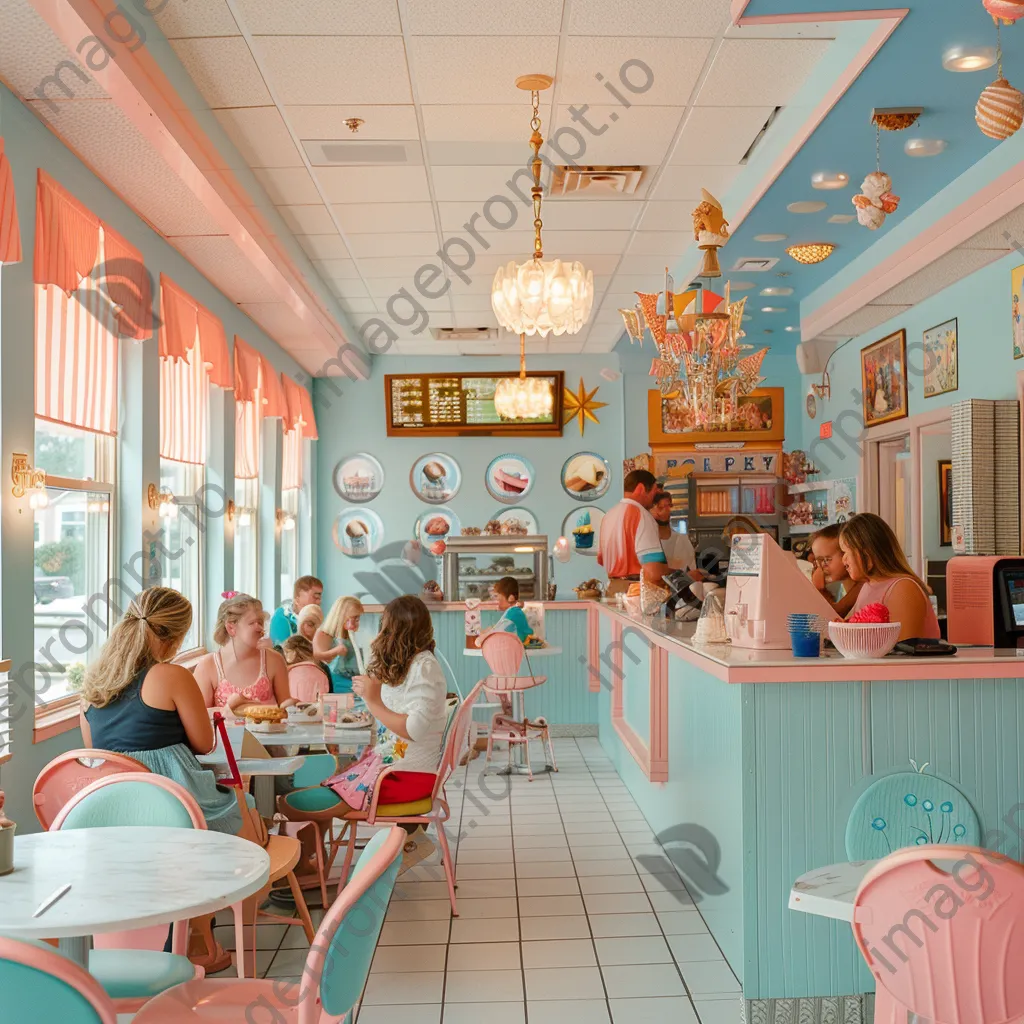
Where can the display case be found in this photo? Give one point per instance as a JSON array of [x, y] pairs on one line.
[[472, 564], [715, 498]]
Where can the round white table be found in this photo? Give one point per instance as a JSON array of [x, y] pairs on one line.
[[518, 765], [123, 878], [830, 891]]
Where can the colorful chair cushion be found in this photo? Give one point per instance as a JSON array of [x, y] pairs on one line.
[[138, 973]]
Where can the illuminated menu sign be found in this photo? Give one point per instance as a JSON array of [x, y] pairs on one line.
[[461, 403]]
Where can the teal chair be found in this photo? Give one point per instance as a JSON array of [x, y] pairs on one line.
[[336, 968], [38, 984], [131, 966], [909, 809]]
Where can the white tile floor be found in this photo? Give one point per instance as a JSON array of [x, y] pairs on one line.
[[559, 922]]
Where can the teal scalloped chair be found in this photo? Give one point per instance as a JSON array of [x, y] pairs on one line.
[[909, 809]]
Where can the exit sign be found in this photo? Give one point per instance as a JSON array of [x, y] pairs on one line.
[[825, 429]]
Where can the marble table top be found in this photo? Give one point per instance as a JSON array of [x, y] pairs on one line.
[[830, 891], [125, 877]]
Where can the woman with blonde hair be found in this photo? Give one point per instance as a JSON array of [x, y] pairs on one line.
[[137, 703], [242, 671], [308, 621], [873, 557], [334, 642]]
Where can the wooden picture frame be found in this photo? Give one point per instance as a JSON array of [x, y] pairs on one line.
[[945, 503], [1017, 310], [941, 370], [883, 375]]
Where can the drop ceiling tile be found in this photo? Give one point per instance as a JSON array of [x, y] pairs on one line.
[[566, 345], [406, 243], [660, 243], [350, 289], [337, 270], [308, 220], [320, 17], [675, 65], [374, 184], [323, 247], [503, 246], [719, 135], [336, 69], [640, 135], [223, 70], [220, 260], [672, 17], [369, 218], [383, 122], [456, 215], [478, 184], [666, 214], [640, 265], [356, 307], [185, 20], [505, 154], [288, 186], [567, 244], [479, 69], [260, 135], [754, 72], [495, 122], [471, 304], [395, 267], [471, 18], [588, 214], [677, 180]]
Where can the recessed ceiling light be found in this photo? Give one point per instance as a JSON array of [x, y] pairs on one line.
[[773, 309], [770, 238], [969, 58], [768, 330], [841, 218], [747, 316], [808, 206], [741, 286], [776, 291], [792, 329], [924, 147], [824, 180]]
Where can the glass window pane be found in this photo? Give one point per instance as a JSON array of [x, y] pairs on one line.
[[70, 452], [289, 542], [246, 536], [182, 564], [74, 601]]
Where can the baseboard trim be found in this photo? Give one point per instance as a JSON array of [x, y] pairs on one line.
[[810, 1010]]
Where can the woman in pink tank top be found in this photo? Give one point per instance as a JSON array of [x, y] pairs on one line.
[[873, 557], [242, 670]]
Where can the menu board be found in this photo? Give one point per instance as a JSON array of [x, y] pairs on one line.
[[437, 404]]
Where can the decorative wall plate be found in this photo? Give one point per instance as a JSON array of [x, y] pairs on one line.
[[811, 404], [519, 522], [509, 478], [586, 476], [433, 527], [582, 527], [359, 478], [358, 532], [435, 478]]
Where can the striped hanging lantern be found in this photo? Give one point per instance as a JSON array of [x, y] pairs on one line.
[[1007, 11], [1000, 110]]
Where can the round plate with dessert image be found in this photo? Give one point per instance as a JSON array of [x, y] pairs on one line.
[[358, 532], [435, 478], [359, 478], [433, 528], [582, 526], [515, 522], [509, 478], [586, 476]]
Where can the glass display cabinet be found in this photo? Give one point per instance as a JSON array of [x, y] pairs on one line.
[[472, 564]]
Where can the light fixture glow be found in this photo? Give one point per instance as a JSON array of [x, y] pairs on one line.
[[924, 147], [792, 329], [811, 252], [773, 309], [807, 206], [522, 397], [969, 58], [770, 238], [826, 180], [777, 291], [841, 218]]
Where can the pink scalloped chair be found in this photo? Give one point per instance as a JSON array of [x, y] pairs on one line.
[[69, 773], [307, 682], [336, 967], [503, 653], [944, 946]]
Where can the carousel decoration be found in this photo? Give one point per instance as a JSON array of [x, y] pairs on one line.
[[702, 367], [876, 200], [1005, 11], [1000, 110]]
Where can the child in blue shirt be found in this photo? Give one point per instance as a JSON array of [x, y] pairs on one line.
[[513, 618]]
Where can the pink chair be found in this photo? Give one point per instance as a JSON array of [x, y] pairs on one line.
[[68, 774], [307, 682], [944, 946], [503, 653]]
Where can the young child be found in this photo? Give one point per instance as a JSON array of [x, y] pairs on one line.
[[827, 558], [297, 650], [513, 618], [333, 642], [308, 621]]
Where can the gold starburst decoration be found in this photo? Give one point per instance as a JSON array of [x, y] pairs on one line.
[[581, 405]]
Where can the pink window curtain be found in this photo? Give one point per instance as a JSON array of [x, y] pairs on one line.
[[300, 408], [291, 461], [248, 411], [273, 396], [183, 321], [128, 285], [247, 371], [184, 408], [10, 234], [67, 243]]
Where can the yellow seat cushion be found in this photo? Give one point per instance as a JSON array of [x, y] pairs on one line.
[[413, 809]]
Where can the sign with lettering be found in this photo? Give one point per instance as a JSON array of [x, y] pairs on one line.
[[724, 462]]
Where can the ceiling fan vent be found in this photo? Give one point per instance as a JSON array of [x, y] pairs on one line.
[[465, 333], [753, 265], [595, 182]]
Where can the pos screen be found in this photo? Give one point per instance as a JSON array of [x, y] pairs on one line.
[[1013, 584]]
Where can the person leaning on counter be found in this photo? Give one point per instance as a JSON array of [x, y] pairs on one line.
[[628, 544]]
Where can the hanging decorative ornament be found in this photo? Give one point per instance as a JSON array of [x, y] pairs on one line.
[[710, 232], [1005, 11], [876, 200], [634, 323], [1000, 109], [580, 405]]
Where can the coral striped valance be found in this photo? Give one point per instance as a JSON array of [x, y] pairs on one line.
[[300, 408], [184, 407], [185, 322], [10, 235]]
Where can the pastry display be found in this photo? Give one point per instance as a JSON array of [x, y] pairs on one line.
[[493, 528], [471, 531], [432, 591], [589, 590], [513, 527], [583, 532]]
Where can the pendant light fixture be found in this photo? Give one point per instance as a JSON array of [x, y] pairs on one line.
[[522, 397]]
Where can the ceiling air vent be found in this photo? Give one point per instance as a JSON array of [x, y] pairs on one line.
[[595, 182], [338, 152], [753, 265], [465, 333]]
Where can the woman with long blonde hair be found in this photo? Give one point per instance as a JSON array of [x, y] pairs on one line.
[[873, 556], [334, 642], [136, 702], [242, 670]]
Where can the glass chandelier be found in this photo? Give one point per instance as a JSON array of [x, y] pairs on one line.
[[522, 397], [541, 296]]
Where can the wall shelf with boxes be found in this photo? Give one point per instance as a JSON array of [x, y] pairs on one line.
[[821, 503]]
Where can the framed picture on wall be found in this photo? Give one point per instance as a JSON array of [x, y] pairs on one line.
[[940, 365], [945, 503], [1017, 291], [883, 372]]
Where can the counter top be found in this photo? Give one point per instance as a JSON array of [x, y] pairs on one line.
[[745, 665]]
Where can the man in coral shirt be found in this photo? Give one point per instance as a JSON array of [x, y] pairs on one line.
[[629, 545]]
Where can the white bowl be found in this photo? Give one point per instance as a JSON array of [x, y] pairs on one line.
[[864, 639]]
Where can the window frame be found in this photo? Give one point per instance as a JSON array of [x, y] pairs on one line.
[[183, 501]]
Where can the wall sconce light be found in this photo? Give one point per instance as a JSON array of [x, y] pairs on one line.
[[161, 502], [285, 520], [824, 389], [244, 516], [99, 506], [229, 510], [26, 480]]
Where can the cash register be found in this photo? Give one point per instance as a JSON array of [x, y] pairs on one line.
[[985, 600]]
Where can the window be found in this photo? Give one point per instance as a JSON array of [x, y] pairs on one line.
[[247, 536], [75, 598], [289, 541], [182, 534]]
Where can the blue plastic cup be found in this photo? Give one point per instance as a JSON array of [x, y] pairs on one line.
[[805, 644]]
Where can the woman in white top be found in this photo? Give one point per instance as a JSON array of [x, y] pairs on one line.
[[678, 548]]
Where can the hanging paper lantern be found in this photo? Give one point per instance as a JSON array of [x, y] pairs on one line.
[[1000, 110], [1008, 11]]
